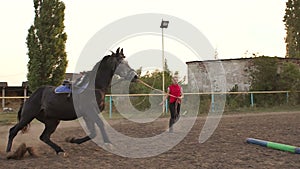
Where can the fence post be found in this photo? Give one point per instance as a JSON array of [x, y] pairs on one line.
[[252, 100], [166, 103], [25, 94], [212, 103], [287, 97], [25, 86], [110, 107], [3, 95]]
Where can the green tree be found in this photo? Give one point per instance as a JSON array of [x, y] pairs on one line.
[[292, 26], [264, 77], [264, 74], [46, 45], [269, 74], [289, 77], [290, 81], [154, 79]]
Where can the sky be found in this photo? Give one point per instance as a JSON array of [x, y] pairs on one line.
[[235, 28]]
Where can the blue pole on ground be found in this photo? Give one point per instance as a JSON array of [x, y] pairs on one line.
[[274, 145], [287, 97], [110, 106]]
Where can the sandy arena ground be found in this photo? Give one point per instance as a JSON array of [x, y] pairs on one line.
[[226, 148]]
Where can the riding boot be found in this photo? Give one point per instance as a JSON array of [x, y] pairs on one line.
[[177, 117], [171, 122]]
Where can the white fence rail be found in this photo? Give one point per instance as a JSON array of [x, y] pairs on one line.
[[110, 96]]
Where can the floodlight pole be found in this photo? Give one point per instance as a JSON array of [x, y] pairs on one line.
[[164, 24], [163, 66]]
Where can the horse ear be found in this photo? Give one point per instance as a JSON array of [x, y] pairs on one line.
[[117, 52], [112, 52], [121, 51]]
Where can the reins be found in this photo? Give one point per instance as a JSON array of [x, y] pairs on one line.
[[155, 88], [140, 81], [176, 103]]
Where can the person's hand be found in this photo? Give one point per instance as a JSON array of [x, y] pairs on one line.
[[161, 103]]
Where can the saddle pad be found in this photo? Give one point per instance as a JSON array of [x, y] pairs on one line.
[[62, 89]]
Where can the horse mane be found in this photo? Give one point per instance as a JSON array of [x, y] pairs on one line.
[[102, 61]]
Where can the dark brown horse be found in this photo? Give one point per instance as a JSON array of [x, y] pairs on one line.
[[86, 101]]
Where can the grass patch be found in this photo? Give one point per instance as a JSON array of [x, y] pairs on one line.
[[11, 118], [8, 118], [280, 108]]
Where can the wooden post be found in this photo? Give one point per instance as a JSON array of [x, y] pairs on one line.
[[24, 85], [25, 94], [3, 95], [3, 85]]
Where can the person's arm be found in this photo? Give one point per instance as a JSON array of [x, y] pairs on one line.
[[165, 98], [181, 93]]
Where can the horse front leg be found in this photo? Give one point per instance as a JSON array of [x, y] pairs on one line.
[[50, 127], [91, 127], [90, 121]]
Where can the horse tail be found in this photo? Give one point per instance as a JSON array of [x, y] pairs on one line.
[[20, 111], [24, 129]]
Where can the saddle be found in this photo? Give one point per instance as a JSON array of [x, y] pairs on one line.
[[77, 87], [65, 87]]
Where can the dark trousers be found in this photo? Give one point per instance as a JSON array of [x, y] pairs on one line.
[[174, 110]]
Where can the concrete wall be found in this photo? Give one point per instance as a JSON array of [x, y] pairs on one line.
[[209, 76]]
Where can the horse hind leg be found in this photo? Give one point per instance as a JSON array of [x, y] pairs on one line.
[[50, 127], [14, 131]]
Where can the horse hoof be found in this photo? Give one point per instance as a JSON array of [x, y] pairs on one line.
[[69, 139], [63, 154], [109, 146], [18, 154], [9, 155]]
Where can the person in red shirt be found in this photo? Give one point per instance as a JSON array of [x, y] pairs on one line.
[[175, 94]]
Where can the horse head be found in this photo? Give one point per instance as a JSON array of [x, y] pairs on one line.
[[113, 64], [123, 69]]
